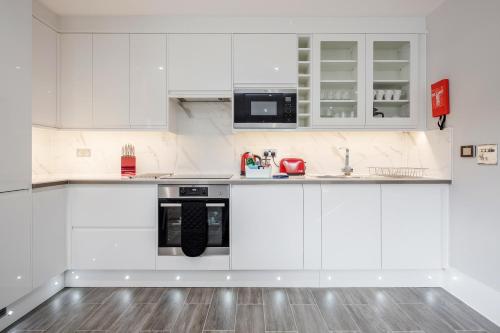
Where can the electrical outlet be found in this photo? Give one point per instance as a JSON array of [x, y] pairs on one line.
[[83, 152], [271, 152]]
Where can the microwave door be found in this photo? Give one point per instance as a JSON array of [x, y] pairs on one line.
[[265, 108]]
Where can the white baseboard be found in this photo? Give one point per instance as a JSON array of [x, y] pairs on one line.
[[307, 278], [474, 293], [32, 300]]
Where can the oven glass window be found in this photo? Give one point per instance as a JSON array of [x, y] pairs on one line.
[[174, 227], [215, 216], [264, 108]]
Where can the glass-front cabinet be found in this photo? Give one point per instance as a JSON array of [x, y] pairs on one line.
[[392, 81], [339, 76]]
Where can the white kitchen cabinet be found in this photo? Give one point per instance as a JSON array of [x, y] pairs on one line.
[[15, 242], [339, 80], [148, 80], [267, 227], [312, 226], [120, 205], [351, 228], [110, 80], [44, 75], [412, 226], [265, 60], [199, 64], [15, 95], [49, 234], [75, 67], [392, 68], [113, 248]]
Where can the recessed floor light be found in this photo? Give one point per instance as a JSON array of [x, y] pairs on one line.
[[177, 277], [380, 278], [278, 278], [127, 277], [228, 277], [77, 277], [10, 313]]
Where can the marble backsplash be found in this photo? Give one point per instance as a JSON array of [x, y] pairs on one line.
[[203, 142]]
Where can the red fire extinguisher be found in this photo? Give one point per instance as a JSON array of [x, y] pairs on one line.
[[441, 101]]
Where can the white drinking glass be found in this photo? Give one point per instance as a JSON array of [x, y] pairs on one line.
[[380, 95], [388, 94], [397, 94]]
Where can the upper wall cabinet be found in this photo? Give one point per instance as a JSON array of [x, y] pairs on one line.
[[44, 75], [265, 60], [110, 85], [75, 66], [199, 64], [339, 69], [392, 78], [148, 80]]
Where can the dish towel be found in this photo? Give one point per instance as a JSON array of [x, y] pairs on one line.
[[194, 228]]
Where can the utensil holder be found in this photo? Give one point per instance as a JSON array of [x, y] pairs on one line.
[[128, 166]]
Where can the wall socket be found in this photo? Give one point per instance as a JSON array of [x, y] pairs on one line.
[[83, 152], [270, 152]]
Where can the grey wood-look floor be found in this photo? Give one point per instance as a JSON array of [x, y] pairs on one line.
[[248, 310]]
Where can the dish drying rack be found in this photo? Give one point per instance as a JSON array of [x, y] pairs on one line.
[[397, 172]]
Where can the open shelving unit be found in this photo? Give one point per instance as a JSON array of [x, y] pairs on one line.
[[304, 95]]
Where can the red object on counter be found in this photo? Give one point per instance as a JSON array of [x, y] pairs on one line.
[[128, 166], [244, 158], [293, 166]]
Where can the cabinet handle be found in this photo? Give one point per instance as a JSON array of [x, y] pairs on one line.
[[170, 205], [216, 205]]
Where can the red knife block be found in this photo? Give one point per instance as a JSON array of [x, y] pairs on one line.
[[128, 166]]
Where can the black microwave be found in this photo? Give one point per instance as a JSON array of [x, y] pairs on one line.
[[265, 108]]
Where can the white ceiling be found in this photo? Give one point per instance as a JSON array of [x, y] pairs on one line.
[[248, 8]]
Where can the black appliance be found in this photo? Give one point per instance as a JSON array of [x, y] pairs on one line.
[[265, 108], [193, 220]]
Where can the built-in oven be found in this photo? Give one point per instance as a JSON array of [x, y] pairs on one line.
[[193, 220], [265, 108]]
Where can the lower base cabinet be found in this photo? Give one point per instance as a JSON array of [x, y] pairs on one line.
[[412, 226], [351, 227], [267, 227], [113, 249], [50, 254], [15, 243]]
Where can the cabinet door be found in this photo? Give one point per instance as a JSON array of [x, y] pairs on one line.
[[15, 240], [339, 81], [113, 205], [49, 234], [351, 226], [267, 227], [75, 66], [199, 62], [412, 222], [148, 80], [265, 59], [113, 248], [15, 92], [392, 78], [110, 80], [44, 75]]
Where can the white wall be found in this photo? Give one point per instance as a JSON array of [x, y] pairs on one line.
[[464, 45]]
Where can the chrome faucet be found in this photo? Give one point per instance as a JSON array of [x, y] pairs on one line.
[[347, 170]]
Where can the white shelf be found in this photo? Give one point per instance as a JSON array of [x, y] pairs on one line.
[[303, 88], [391, 61], [339, 61], [305, 101], [339, 101], [338, 81], [304, 115], [391, 102]]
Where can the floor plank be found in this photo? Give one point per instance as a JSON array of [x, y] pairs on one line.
[[191, 319], [336, 315], [133, 319], [250, 296], [277, 311], [107, 313], [167, 310], [366, 319], [200, 295], [308, 319], [404, 295], [222, 313], [148, 295], [300, 296], [71, 321], [250, 319], [426, 318]]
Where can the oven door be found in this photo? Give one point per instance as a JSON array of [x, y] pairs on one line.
[[170, 222], [263, 110]]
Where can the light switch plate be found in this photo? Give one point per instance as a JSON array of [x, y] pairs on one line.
[[83, 152], [487, 154]]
